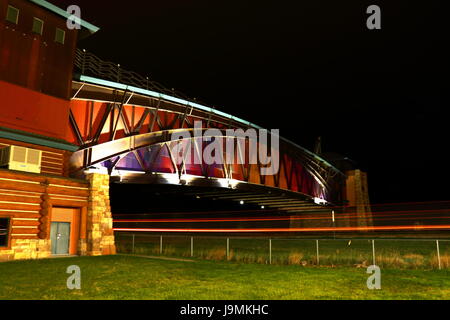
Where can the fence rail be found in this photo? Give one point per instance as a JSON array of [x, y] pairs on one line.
[[91, 65], [356, 252]]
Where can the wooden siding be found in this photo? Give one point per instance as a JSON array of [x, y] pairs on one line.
[[21, 199], [54, 161]]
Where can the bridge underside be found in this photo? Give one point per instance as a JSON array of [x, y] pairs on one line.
[[258, 195], [164, 207]]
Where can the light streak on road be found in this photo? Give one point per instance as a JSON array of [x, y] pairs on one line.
[[264, 230]]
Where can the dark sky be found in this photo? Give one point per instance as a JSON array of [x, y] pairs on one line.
[[309, 68]]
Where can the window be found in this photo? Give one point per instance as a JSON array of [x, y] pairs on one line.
[[4, 232], [60, 36], [12, 15], [38, 26]]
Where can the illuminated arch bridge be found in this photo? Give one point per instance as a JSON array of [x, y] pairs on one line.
[[123, 124]]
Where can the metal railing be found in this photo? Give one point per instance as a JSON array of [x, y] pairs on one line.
[[362, 252], [89, 64]]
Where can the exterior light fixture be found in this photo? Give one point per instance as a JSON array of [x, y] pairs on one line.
[[94, 169], [319, 201]]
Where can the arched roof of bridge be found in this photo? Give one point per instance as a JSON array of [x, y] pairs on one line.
[[176, 100]]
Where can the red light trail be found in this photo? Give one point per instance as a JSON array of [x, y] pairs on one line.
[[258, 219], [384, 216], [421, 216], [263, 230], [318, 215]]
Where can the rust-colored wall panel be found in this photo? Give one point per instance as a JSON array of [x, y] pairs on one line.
[[31, 111], [269, 181], [282, 183], [254, 174], [36, 61]]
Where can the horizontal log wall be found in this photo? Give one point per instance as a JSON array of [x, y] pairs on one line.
[[22, 199], [54, 161]]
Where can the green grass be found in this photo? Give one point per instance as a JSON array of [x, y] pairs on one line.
[[128, 277], [411, 254]]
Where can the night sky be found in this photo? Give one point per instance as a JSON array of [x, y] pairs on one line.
[[309, 68]]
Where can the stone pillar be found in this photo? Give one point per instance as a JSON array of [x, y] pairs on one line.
[[358, 197], [100, 235]]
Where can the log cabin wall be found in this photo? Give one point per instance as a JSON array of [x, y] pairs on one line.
[[36, 65], [27, 200], [54, 161]]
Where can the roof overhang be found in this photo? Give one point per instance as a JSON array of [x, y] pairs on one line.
[[63, 13], [27, 137]]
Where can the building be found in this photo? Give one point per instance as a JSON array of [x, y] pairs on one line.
[[43, 212]]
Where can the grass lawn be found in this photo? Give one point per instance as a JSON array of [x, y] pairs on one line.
[[129, 277]]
